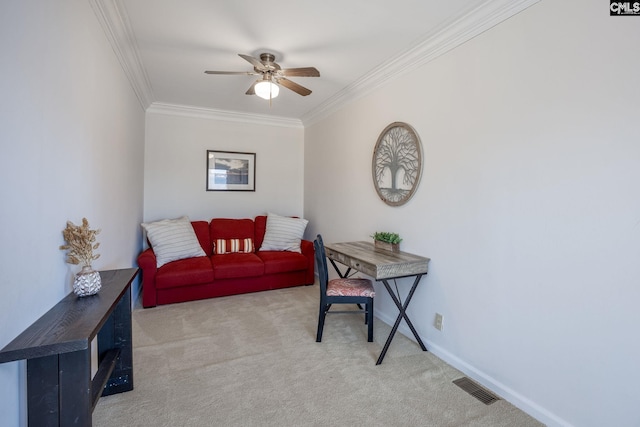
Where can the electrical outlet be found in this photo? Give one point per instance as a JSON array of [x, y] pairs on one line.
[[437, 323]]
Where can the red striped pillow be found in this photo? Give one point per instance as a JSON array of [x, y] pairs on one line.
[[229, 246]]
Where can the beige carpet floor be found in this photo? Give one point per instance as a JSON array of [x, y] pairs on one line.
[[252, 360]]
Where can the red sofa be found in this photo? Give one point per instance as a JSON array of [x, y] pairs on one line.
[[216, 275]]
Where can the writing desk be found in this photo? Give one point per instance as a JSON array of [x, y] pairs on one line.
[[382, 265]]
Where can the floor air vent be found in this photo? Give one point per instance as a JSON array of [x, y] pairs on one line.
[[476, 391]]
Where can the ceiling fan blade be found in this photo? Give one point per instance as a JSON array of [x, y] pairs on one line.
[[300, 90], [235, 73], [251, 90], [300, 72], [254, 61]]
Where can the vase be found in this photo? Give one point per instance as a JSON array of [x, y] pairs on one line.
[[391, 247], [87, 282]]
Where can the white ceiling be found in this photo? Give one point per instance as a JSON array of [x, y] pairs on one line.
[[166, 45]]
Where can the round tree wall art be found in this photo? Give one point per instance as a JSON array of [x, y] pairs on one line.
[[397, 163]]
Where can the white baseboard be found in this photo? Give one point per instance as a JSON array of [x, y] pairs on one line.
[[506, 393]]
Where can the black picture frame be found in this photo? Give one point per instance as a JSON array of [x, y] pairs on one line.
[[231, 171]]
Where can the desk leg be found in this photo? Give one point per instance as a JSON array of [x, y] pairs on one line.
[[59, 389], [402, 314], [75, 388], [42, 391], [116, 334]]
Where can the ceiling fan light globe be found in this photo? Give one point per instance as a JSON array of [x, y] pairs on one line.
[[266, 90]]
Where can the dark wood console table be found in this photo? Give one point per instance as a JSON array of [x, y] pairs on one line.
[[383, 266], [57, 347]]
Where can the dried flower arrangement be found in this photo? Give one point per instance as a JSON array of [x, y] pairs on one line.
[[80, 243]]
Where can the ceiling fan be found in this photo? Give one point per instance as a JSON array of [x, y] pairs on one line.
[[272, 75]]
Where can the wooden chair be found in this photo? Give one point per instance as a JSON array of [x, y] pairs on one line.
[[342, 291]]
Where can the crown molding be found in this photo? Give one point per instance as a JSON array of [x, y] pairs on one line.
[[114, 21], [224, 115], [444, 38]]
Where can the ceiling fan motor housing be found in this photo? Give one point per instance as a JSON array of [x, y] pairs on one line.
[[267, 57]]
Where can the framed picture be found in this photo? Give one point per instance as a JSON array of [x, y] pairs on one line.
[[231, 171], [397, 163]]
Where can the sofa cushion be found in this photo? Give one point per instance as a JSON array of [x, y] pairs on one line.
[[173, 239], [228, 228], [230, 266], [190, 271], [202, 233], [283, 233], [282, 261], [229, 246], [260, 227]]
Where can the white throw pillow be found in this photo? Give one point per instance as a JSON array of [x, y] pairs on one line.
[[283, 233], [173, 239]]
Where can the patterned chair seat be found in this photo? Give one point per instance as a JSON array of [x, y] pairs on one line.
[[353, 287]]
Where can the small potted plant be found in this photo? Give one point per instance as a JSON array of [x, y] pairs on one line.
[[387, 241], [80, 244]]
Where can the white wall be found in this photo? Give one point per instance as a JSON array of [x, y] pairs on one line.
[[176, 163], [528, 206], [72, 138]]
